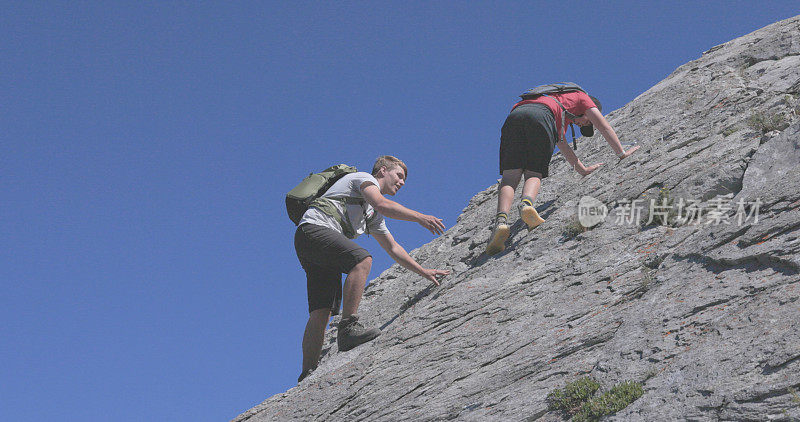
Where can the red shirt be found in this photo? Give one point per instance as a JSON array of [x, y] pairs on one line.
[[575, 102]]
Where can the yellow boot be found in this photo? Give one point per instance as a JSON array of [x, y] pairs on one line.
[[497, 241], [529, 215]]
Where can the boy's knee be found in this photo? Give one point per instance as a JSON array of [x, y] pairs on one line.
[[319, 314]]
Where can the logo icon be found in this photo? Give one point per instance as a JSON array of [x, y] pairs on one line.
[[591, 212]]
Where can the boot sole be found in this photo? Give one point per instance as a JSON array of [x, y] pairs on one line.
[[531, 217], [498, 242]]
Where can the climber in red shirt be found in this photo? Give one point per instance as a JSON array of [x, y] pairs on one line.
[[528, 138]]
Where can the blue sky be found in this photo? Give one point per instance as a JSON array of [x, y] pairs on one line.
[[147, 264]]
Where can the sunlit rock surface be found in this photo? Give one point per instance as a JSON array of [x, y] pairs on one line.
[[704, 313]]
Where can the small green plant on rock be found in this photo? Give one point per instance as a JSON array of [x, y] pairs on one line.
[[573, 395], [612, 401], [577, 399], [647, 280], [730, 130], [667, 214], [572, 229], [795, 396], [764, 124]]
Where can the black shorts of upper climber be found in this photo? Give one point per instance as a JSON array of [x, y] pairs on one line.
[[527, 139]]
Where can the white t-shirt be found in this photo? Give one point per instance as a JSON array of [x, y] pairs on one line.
[[349, 186]]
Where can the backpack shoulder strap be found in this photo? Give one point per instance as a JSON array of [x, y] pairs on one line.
[[565, 113], [328, 206]]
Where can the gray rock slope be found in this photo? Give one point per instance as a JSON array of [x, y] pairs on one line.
[[703, 312]]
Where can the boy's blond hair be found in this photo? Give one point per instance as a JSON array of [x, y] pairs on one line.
[[389, 162]]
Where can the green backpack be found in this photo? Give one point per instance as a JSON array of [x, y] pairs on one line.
[[312, 187]]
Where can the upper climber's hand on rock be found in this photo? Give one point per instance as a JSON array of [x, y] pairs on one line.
[[628, 153], [585, 171]]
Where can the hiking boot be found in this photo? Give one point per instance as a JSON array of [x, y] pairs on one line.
[[497, 241], [352, 333], [529, 215], [304, 374]]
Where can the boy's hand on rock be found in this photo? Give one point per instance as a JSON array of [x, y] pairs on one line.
[[435, 275]]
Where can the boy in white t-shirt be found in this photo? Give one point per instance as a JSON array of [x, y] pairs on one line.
[[352, 206]]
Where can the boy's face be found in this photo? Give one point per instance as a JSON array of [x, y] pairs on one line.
[[394, 178]]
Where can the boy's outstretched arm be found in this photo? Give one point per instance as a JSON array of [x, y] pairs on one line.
[[392, 209], [402, 257]]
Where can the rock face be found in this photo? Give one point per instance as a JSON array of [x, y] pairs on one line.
[[703, 312]]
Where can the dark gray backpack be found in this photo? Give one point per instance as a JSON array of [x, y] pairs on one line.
[[556, 88], [559, 88]]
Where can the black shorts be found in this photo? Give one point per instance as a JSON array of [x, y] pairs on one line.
[[325, 255], [527, 140]]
